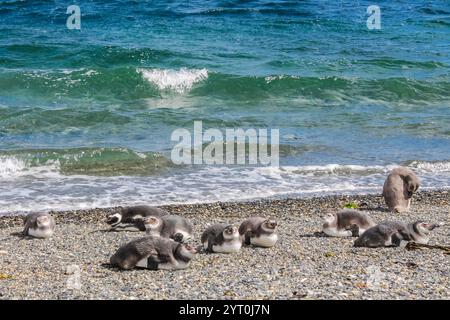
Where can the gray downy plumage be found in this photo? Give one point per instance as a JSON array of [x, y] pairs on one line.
[[39, 225], [258, 231], [392, 233], [222, 238], [131, 218], [153, 253], [170, 226], [398, 189], [339, 224]]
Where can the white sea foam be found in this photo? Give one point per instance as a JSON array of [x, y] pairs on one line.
[[180, 81], [437, 166], [9, 166], [13, 168], [41, 188]]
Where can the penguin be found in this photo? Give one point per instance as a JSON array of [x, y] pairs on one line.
[[39, 225], [258, 231], [154, 253], [169, 226], [338, 224], [130, 218], [221, 238], [393, 234], [398, 189]]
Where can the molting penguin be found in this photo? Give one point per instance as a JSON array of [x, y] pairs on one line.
[[399, 188], [153, 253], [130, 218], [338, 224], [221, 238], [169, 226], [258, 231], [39, 225], [392, 233]]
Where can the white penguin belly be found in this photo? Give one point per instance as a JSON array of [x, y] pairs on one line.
[[126, 227], [334, 232], [228, 247], [422, 240], [163, 266], [173, 266], [143, 263], [264, 241], [40, 233]]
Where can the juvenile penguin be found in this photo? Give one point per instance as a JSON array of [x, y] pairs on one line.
[[221, 238], [338, 224], [39, 225], [153, 253], [130, 218], [258, 231], [392, 233], [169, 226], [399, 188]]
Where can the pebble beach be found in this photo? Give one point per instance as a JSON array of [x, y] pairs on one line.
[[304, 264]]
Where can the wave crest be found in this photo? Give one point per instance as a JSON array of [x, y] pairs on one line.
[[180, 81]]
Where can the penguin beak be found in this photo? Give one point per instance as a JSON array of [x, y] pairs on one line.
[[192, 249], [432, 226]]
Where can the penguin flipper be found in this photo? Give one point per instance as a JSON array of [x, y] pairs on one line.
[[210, 245], [247, 237]]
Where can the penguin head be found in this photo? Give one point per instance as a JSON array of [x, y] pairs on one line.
[[43, 221], [185, 251], [114, 218], [412, 185], [151, 223], [425, 227], [269, 225], [230, 232], [329, 217]]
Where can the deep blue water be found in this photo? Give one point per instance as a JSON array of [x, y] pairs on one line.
[[86, 115]]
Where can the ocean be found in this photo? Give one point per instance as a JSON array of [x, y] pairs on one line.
[[86, 115]]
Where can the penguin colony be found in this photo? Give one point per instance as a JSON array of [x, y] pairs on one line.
[[167, 244]]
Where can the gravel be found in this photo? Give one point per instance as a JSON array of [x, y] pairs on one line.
[[73, 264]]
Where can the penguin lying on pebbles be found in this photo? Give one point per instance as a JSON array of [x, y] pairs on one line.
[[338, 224], [169, 226], [258, 231], [399, 188], [39, 225], [130, 218], [221, 238], [391, 233], [154, 253]]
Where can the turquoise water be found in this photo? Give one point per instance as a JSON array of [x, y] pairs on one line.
[[86, 115]]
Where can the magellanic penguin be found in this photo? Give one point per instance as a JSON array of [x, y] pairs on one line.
[[221, 238], [153, 253], [258, 231], [392, 233], [39, 225], [131, 218], [169, 226], [399, 188], [338, 224]]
